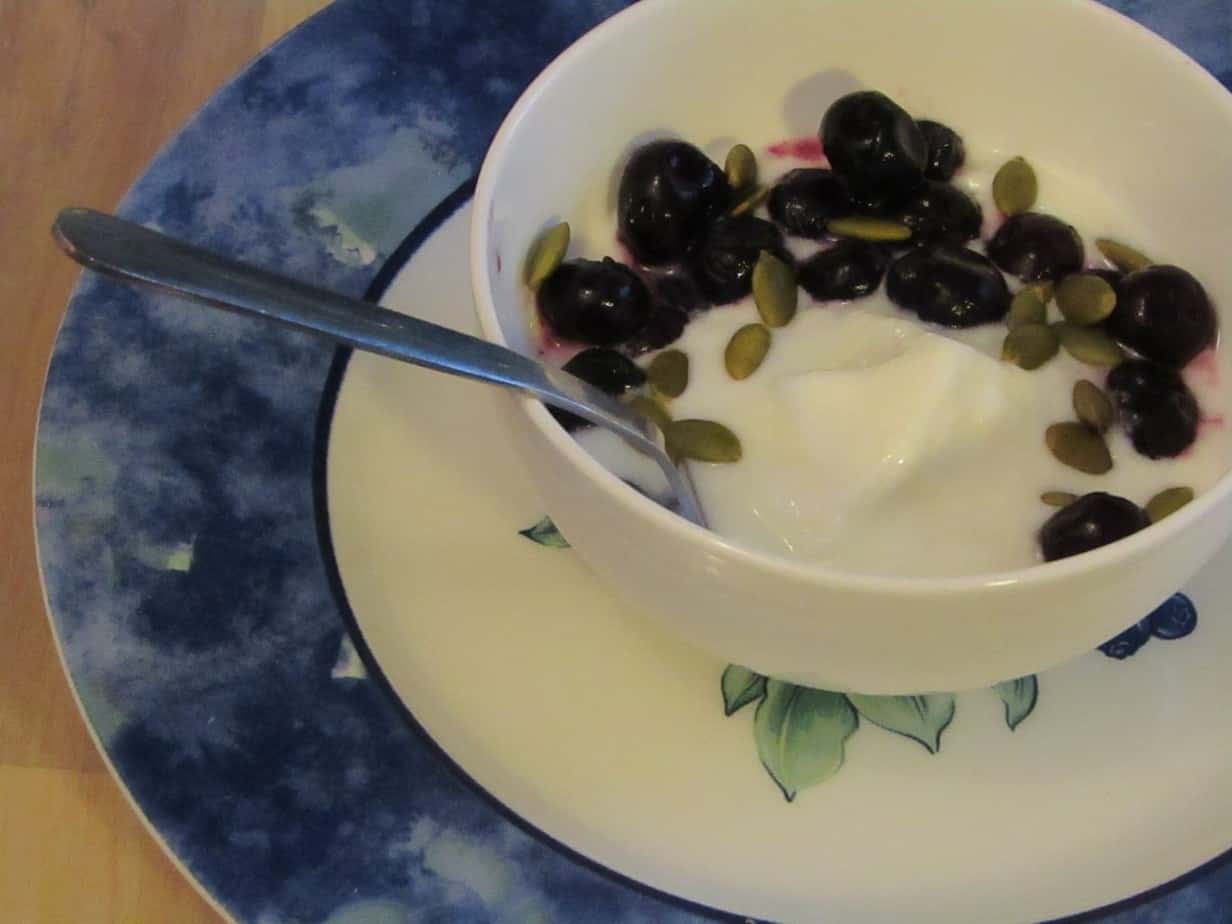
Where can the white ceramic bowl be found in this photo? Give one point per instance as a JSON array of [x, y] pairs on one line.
[[1075, 84]]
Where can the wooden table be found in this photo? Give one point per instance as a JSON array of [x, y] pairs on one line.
[[89, 90]]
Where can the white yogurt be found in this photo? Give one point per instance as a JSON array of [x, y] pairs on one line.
[[876, 443]]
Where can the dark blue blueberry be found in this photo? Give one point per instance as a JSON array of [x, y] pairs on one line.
[[939, 210], [723, 265], [1092, 521], [805, 200], [850, 269], [669, 193], [608, 371], [1163, 314], [1128, 642], [595, 302], [874, 145], [664, 328], [946, 152], [1155, 408], [1175, 618], [949, 285], [677, 290], [1035, 247]]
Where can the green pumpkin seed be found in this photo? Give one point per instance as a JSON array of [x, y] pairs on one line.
[[703, 440], [547, 253], [1092, 406], [774, 290], [741, 168], [1085, 299], [751, 202], [1015, 188], [1058, 498], [1089, 345], [1026, 308], [1078, 446], [668, 373], [1042, 289], [1029, 346], [649, 407], [869, 229], [1122, 256], [746, 350], [1168, 502]]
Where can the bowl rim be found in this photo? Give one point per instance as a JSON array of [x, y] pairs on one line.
[[800, 571]]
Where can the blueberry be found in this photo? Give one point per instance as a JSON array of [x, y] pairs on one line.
[[1035, 247], [804, 200], [595, 302], [945, 150], [1163, 314], [1092, 521], [939, 210], [948, 285], [677, 290], [1155, 407], [665, 326], [669, 192], [1128, 642], [1175, 618], [850, 269], [723, 264], [676, 298], [874, 145], [608, 371]]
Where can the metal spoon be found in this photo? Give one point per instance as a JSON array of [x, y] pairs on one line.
[[137, 255]]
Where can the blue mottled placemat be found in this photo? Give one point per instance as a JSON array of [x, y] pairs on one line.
[[176, 517]]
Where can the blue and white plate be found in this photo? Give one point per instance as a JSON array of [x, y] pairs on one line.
[[325, 638]]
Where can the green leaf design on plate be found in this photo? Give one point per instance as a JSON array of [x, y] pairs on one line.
[[800, 733], [545, 533], [741, 686], [1019, 697], [922, 718]]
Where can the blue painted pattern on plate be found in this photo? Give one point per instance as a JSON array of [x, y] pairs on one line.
[[175, 503]]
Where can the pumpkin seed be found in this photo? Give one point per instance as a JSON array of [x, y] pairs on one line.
[[741, 168], [703, 440], [1122, 256], [1092, 406], [868, 229], [1085, 299], [751, 202], [746, 350], [649, 407], [1015, 187], [1058, 498], [1168, 502], [668, 373], [1042, 289], [774, 290], [1078, 446], [1089, 345], [1026, 308], [1029, 346], [547, 253]]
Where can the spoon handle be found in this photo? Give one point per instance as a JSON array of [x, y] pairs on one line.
[[136, 254]]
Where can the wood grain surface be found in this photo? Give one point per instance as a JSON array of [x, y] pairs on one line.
[[89, 90]]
